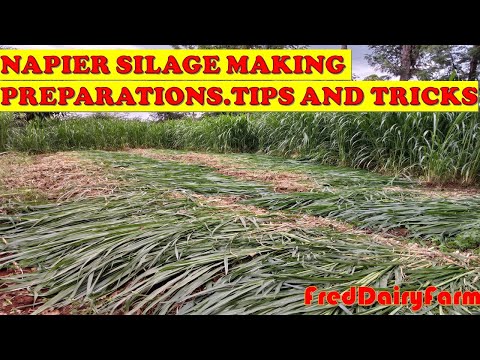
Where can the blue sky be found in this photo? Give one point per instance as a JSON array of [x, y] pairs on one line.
[[360, 66]]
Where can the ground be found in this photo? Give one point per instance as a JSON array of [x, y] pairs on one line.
[[168, 232]]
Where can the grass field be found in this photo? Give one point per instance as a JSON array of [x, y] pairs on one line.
[[178, 232], [438, 148]]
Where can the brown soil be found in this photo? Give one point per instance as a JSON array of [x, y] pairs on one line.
[[59, 176], [18, 302], [21, 302], [399, 232], [283, 182]]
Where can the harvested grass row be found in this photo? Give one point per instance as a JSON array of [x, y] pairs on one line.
[[451, 223], [146, 250], [137, 255], [281, 181], [281, 221]]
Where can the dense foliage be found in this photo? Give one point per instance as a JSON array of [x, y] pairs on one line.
[[438, 147]]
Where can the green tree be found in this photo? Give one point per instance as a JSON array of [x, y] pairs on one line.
[[397, 60], [473, 73], [444, 62], [426, 62], [375, 77]]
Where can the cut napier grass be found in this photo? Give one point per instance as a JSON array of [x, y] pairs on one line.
[[148, 250], [279, 220], [134, 254], [286, 175], [289, 175], [454, 224], [281, 181], [154, 175], [402, 210]]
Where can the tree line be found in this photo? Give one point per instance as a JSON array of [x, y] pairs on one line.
[[406, 62], [426, 62]]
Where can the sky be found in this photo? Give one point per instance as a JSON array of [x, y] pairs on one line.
[[360, 65]]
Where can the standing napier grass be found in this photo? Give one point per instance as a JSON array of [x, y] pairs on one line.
[[440, 148], [5, 122]]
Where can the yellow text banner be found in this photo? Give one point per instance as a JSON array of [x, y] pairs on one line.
[[162, 65], [239, 96]]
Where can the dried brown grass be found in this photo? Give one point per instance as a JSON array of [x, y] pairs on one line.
[[60, 176]]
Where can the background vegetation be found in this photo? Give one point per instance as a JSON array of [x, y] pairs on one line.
[[440, 148]]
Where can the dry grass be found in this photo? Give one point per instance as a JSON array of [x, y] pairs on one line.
[[438, 192], [60, 176], [282, 182]]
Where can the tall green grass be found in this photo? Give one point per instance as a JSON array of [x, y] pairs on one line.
[[4, 126], [441, 147]]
